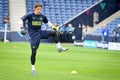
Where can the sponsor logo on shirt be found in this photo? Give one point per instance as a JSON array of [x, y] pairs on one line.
[[36, 23]]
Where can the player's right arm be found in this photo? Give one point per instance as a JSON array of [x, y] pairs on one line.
[[23, 19], [23, 31], [22, 23]]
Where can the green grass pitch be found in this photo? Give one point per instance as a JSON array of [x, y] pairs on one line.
[[90, 64]]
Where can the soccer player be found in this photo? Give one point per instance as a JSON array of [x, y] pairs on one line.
[[35, 20]]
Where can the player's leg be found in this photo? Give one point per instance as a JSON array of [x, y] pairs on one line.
[[33, 56], [34, 47], [53, 34], [33, 59]]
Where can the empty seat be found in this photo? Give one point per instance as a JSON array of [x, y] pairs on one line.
[[53, 8]]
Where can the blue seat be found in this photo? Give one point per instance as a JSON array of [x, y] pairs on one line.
[[62, 4], [73, 1], [51, 0], [62, 7], [0, 1], [69, 16], [51, 6], [62, 1], [68, 7], [67, 4], [57, 7], [52, 15]]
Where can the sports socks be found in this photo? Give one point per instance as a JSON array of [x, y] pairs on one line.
[[33, 67], [58, 45]]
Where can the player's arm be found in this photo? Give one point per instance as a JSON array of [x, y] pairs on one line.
[[54, 27], [23, 19], [50, 24], [45, 20], [22, 27], [22, 23]]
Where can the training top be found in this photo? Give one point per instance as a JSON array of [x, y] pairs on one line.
[[34, 21]]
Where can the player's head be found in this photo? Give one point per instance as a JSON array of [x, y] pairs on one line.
[[38, 8]]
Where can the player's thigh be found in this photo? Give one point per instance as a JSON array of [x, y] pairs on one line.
[[45, 34], [34, 42]]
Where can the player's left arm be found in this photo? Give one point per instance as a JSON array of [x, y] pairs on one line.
[[45, 20], [50, 24]]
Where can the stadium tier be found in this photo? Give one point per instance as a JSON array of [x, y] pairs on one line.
[[111, 26], [4, 11], [59, 11]]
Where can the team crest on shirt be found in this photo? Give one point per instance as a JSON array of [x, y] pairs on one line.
[[41, 19]]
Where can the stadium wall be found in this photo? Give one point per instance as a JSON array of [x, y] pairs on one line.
[[99, 38], [17, 37]]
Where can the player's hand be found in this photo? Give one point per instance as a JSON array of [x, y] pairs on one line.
[[55, 27], [23, 31]]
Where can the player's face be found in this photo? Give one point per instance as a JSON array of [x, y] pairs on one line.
[[38, 10]]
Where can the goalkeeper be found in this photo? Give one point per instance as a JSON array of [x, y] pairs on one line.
[[35, 20]]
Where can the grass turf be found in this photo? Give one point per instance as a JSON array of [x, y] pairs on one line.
[[90, 64]]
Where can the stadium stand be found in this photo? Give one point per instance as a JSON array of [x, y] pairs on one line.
[[59, 11], [111, 26], [4, 11]]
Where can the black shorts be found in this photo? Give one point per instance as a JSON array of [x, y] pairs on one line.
[[36, 36]]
